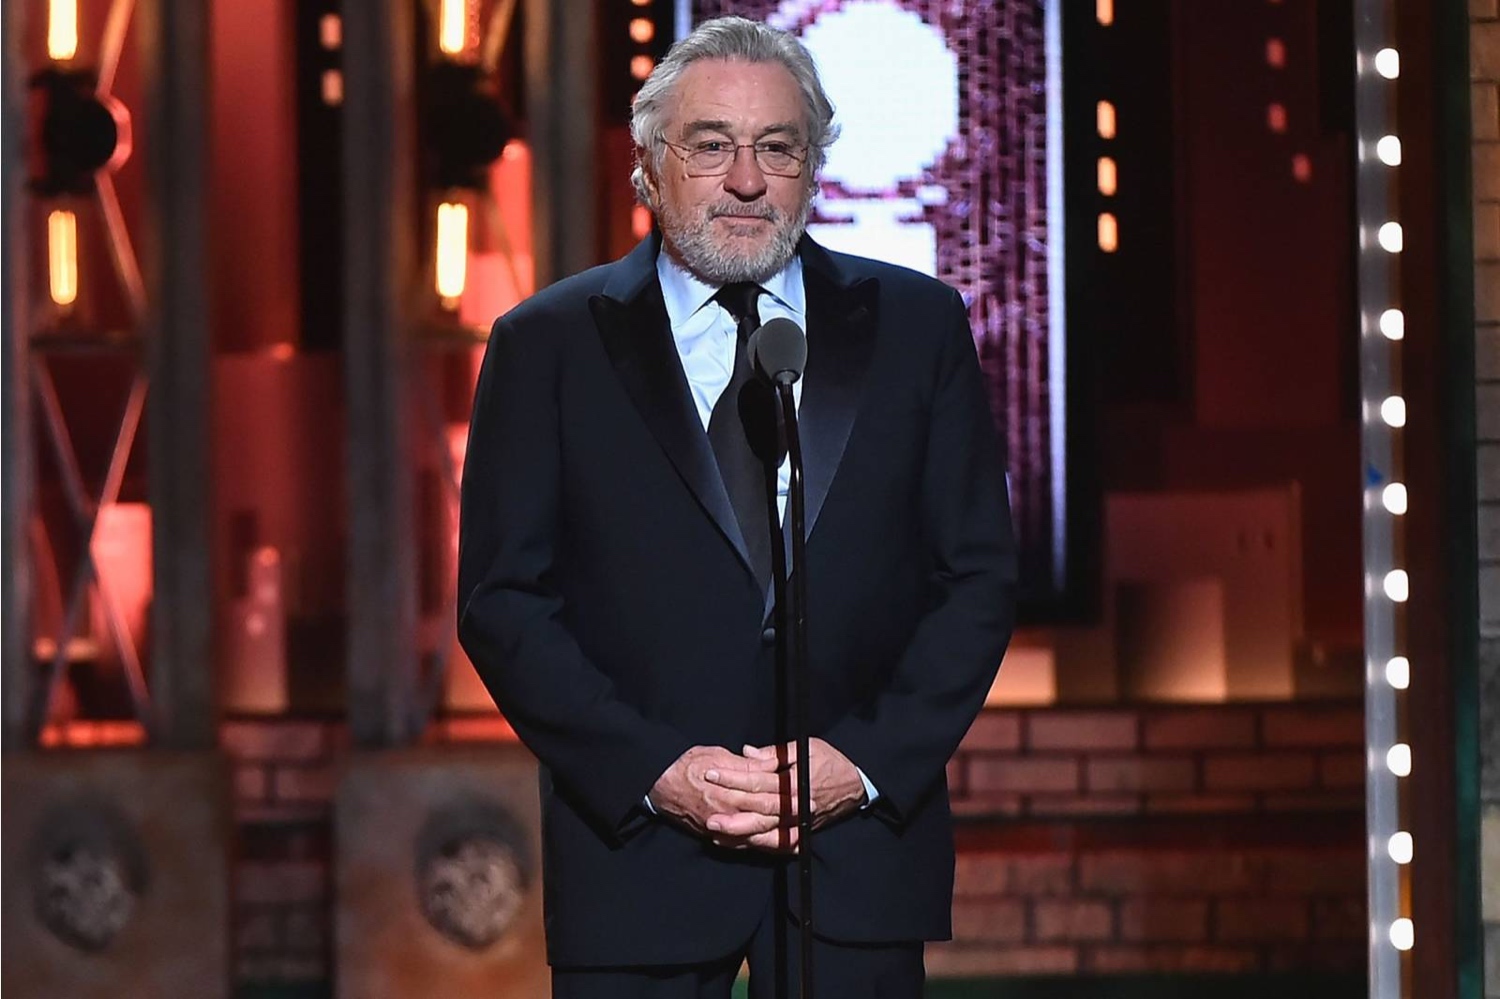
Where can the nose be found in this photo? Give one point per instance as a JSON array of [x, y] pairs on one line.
[[745, 178]]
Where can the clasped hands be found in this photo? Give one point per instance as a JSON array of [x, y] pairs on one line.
[[748, 800]]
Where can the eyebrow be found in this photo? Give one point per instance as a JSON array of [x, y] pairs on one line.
[[719, 125]]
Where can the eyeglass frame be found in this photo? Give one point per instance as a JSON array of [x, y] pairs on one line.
[[686, 151]]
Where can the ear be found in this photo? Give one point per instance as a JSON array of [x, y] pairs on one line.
[[644, 160]]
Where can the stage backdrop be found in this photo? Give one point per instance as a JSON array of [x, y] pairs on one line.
[[950, 163]]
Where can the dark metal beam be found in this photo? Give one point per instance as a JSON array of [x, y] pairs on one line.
[[15, 438], [174, 36], [379, 278], [562, 76]]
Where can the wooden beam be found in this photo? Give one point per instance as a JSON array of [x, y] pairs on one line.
[[380, 223], [562, 83], [16, 670], [174, 37]]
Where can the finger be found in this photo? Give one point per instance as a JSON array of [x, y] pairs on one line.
[[760, 802], [776, 841], [744, 780], [743, 824]]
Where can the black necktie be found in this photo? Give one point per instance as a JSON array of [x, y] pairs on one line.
[[745, 475]]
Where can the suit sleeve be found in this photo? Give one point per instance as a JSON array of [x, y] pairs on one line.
[[603, 754], [904, 737]]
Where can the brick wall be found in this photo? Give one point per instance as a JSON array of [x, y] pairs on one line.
[[1484, 34], [1159, 840], [1161, 761], [1120, 840]]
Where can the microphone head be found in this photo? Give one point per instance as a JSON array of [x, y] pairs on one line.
[[778, 351]]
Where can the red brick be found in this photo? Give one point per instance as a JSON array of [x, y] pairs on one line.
[[1315, 727], [994, 730], [1315, 801], [1181, 804], [1259, 772], [1484, 114], [256, 931], [1075, 921], [1344, 956], [1484, 50], [991, 919], [1140, 773], [1082, 730], [1218, 960], [1258, 919], [956, 960], [1163, 872], [957, 775], [304, 784], [1013, 874], [1343, 770], [304, 930], [291, 741], [250, 783], [1022, 776], [277, 882], [1160, 920], [1314, 872], [1340, 919], [1083, 804], [1200, 728], [988, 804]]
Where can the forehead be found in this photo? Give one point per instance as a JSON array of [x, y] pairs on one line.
[[747, 96]]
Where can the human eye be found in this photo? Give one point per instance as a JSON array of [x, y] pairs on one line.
[[775, 148], [710, 146]]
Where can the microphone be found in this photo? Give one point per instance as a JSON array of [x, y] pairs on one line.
[[778, 351]]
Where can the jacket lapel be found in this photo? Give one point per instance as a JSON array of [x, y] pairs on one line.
[[632, 321], [841, 325], [841, 320]]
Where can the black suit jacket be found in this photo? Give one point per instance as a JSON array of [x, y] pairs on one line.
[[606, 598]]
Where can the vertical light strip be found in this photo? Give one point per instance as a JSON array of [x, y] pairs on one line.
[[62, 29], [453, 26], [1057, 304], [452, 251], [62, 257], [1391, 931]]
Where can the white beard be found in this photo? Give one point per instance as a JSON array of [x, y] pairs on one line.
[[692, 241]]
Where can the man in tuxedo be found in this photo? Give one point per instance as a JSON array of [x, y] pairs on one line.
[[616, 554]]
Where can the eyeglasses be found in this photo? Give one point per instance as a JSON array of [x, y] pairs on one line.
[[715, 157]]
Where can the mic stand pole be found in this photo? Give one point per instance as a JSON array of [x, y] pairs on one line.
[[801, 679]]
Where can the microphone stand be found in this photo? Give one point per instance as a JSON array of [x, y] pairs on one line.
[[800, 674]]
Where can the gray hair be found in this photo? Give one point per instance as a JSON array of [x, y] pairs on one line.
[[729, 38]]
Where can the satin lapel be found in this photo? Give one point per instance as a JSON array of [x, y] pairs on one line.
[[638, 339], [841, 325]]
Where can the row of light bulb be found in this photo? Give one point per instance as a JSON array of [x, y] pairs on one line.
[[1396, 585]]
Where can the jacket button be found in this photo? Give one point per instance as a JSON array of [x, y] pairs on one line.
[[768, 637]]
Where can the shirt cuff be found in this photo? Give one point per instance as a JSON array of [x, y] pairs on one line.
[[871, 795], [646, 800]]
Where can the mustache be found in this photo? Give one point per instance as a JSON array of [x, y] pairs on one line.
[[765, 212]]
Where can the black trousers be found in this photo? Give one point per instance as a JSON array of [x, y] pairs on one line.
[[840, 970]]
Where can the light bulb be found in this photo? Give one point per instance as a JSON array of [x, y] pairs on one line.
[[1393, 411], [1389, 237], [1389, 150], [1400, 847], [1398, 760], [1398, 672], [1397, 586], [1388, 63], [1393, 324], [1403, 934]]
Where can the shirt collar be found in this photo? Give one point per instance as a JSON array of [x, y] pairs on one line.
[[685, 294]]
